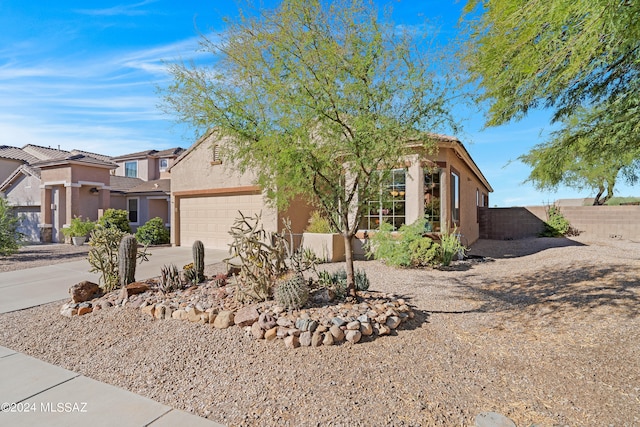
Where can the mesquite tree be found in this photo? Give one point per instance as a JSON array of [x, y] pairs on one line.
[[318, 99]]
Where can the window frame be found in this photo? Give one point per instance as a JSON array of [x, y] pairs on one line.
[[454, 193], [137, 210], [129, 162], [376, 213], [163, 169]]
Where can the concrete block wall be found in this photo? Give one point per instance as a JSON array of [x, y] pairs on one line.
[[598, 221]]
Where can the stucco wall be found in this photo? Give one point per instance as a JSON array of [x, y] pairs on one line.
[[25, 191]]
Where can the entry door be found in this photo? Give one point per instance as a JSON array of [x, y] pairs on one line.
[[55, 214]]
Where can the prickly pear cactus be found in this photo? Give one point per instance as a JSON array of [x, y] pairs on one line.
[[293, 293], [127, 255], [198, 260]]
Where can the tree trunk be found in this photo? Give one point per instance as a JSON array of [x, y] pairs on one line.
[[596, 200], [348, 253]]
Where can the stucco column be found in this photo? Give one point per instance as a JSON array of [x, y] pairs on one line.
[[45, 206], [72, 203], [105, 198], [414, 191]]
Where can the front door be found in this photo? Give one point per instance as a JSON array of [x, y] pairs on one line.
[[55, 214]]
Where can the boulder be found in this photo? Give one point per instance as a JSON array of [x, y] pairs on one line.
[[336, 332], [84, 310], [353, 326], [134, 288], [393, 322], [366, 329], [305, 339], [328, 339], [353, 336], [224, 319], [83, 291], [246, 316]]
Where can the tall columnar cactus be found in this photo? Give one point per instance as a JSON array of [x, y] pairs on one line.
[[292, 293], [127, 255], [198, 260]]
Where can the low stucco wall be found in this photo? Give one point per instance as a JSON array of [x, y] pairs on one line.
[[599, 221]]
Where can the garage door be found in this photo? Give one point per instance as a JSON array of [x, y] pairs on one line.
[[29, 220], [210, 218]]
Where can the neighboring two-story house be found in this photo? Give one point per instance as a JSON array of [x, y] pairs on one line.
[[48, 187]]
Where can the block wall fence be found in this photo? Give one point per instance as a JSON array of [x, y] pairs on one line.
[[622, 222]]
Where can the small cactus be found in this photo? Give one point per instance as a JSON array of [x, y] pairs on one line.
[[198, 260], [292, 293], [362, 281], [127, 255], [169, 279]]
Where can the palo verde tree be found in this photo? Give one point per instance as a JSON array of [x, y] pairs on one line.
[[318, 99], [559, 54], [569, 158]]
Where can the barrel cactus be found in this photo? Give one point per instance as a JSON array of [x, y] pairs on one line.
[[292, 293], [127, 255], [198, 260]]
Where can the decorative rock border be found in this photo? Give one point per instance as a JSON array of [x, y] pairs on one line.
[[377, 314]]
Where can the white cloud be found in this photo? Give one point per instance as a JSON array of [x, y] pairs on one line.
[[125, 9]]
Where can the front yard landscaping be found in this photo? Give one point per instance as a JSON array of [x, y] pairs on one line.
[[543, 331]]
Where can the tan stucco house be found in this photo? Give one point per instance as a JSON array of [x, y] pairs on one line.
[[206, 195], [48, 187]]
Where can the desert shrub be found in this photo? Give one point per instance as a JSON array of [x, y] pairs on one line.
[[170, 279], [10, 237], [318, 224], [450, 247], [402, 249], [115, 218], [153, 232], [424, 252], [557, 225]]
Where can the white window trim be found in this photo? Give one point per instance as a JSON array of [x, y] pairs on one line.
[[163, 169], [137, 199]]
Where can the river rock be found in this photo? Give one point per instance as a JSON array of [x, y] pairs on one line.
[[257, 331], [316, 339], [224, 319], [393, 322], [271, 334], [353, 336], [366, 329], [266, 321], [292, 341], [305, 339], [336, 333]]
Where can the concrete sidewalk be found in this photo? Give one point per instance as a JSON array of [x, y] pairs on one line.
[[35, 393]]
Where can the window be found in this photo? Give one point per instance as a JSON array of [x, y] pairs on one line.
[[390, 207], [164, 164], [432, 199], [131, 169], [132, 208], [455, 197]]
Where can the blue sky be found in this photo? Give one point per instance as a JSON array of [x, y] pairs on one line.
[[84, 75]]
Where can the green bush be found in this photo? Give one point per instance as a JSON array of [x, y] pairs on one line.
[[79, 228], [153, 232], [557, 225], [10, 237], [405, 248], [116, 218], [424, 252], [338, 281], [318, 224]]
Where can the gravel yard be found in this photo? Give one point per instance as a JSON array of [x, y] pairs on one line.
[[544, 331]]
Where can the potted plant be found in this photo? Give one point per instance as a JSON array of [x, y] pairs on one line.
[[78, 230]]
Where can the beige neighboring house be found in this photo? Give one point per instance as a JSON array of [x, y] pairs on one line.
[[206, 195], [48, 187]]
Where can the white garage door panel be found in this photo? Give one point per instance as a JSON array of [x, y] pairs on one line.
[[210, 218]]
